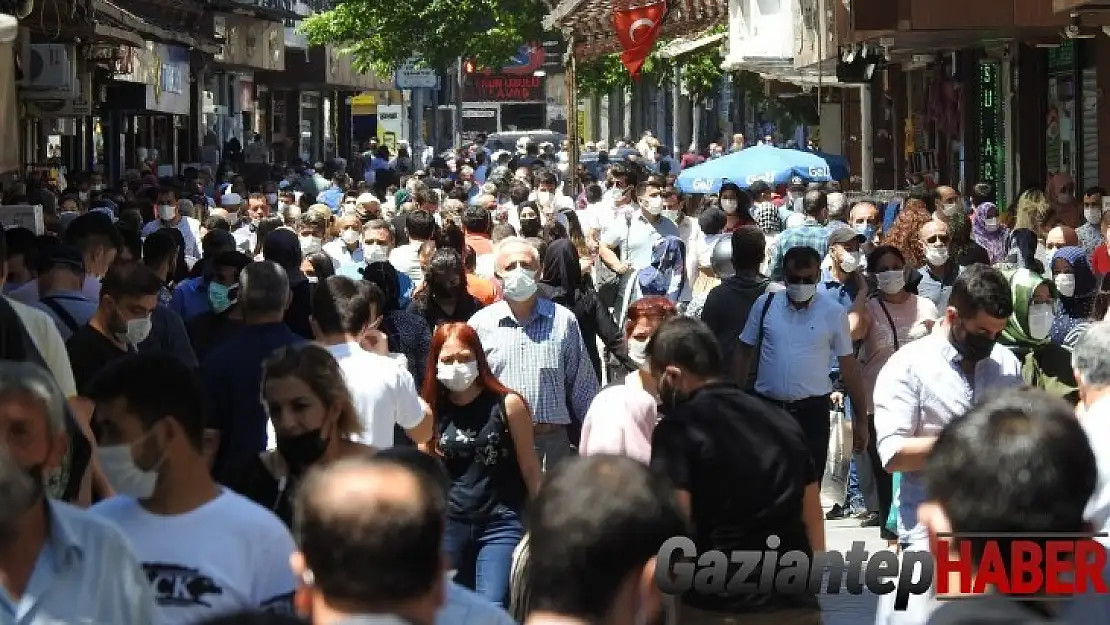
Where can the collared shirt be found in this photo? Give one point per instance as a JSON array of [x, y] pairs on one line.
[[543, 359], [189, 229], [798, 344], [347, 261], [812, 234], [1096, 423], [1089, 238], [639, 236], [85, 573], [190, 298], [918, 392]]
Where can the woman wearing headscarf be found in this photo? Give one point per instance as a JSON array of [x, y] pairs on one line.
[[988, 232], [1044, 364], [1076, 284], [1061, 197], [283, 246], [562, 283], [1021, 251]]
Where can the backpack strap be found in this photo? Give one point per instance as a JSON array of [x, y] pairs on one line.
[[890, 320], [63, 315], [759, 341]]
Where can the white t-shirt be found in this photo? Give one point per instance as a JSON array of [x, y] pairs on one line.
[[44, 334], [228, 555], [383, 392], [406, 259]]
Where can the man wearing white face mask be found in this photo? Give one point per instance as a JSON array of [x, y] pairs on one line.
[[169, 216], [935, 280], [1090, 234], [347, 251], [534, 346], [128, 296], [636, 235], [228, 553], [792, 337]]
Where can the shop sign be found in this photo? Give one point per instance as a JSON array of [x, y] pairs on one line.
[[140, 65], [169, 91], [992, 153], [503, 88], [251, 42]]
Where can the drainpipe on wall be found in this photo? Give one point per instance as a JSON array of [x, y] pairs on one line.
[[9, 111], [867, 140]]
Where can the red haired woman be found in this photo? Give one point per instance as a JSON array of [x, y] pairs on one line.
[[484, 436]]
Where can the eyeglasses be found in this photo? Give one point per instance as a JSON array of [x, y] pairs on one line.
[[801, 279]]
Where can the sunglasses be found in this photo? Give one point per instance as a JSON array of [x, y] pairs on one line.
[[801, 279], [937, 238]]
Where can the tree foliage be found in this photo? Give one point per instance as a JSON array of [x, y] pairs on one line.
[[383, 34]]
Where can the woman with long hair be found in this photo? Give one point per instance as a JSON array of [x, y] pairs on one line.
[[443, 296], [483, 433], [313, 417], [905, 232]]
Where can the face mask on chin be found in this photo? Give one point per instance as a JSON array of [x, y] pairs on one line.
[[20, 490]]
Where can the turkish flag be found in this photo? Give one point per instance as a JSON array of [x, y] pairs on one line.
[[637, 29]]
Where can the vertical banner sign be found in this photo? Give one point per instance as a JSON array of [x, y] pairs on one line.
[[637, 29], [992, 152], [390, 125]]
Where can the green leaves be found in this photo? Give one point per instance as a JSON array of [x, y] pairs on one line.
[[701, 70], [383, 34]]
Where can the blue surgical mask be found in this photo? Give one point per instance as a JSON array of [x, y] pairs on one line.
[[867, 230]]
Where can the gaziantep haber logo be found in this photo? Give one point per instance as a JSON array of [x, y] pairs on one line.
[[1045, 566]]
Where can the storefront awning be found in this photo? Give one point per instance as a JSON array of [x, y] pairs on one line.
[[126, 27], [684, 45], [262, 9], [590, 22]]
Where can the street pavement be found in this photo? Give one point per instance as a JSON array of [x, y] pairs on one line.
[[844, 608]]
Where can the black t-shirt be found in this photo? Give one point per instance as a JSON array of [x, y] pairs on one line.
[[480, 457], [989, 609], [746, 466], [89, 351], [208, 330]]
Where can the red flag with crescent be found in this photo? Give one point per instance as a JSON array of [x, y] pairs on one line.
[[637, 29]]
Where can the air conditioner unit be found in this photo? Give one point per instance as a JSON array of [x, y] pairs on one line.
[[80, 105], [51, 67]]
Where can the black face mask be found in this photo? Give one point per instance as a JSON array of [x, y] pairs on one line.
[[443, 291], [973, 347], [670, 398], [302, 450]]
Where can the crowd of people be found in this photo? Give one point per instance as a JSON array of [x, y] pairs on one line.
[[316, 396]]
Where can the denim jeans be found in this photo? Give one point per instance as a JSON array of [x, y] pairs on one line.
[[854, 498], [482, 553]]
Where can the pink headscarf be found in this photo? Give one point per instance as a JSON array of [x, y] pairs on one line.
[[620, 422]]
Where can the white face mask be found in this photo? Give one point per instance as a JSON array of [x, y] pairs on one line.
[[122, 473], [729, 205], [673, 215], [653, 205], [138, 329], [936, 256], [1040, 321], [637, 351], [97, 186], [543, 198], [83, 196], [1093, 216], [459, 376], [801, 293], [166, 212], [519, 284], [891, 282], [1065, 284], [310, 245], [990, 224], [350, 236], [849, 261], [375, 253], [950, 209], [271, 198]]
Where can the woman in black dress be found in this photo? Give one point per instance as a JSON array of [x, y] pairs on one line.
[[313, 416]]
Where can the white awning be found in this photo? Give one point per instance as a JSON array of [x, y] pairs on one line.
[[684, 45]]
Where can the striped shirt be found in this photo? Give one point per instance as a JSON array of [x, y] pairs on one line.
[[543, 359]]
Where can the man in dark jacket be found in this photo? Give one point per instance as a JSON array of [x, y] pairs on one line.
[[729, 303]]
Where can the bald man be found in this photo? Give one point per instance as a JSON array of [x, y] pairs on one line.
[[369, 534], [940, 270], [1060, 236]]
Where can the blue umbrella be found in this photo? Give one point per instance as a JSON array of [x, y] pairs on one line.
[[838, 165], [772, 165]]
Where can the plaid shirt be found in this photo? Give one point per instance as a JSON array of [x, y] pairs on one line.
[[543, 359], [812, 234]]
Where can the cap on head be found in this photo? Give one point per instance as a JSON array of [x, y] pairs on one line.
[[845, 235], [231, 199]]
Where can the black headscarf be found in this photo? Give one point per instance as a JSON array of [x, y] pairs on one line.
[[562, 275], [385, 276], [283, 247], [1021, 248]]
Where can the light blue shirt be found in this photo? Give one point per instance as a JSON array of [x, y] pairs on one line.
[[797, 344], [543, 359], [85, 573], [464, 607]]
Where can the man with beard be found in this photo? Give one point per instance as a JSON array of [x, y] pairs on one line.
[[58, 564], [927, 384], [128, 297]]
